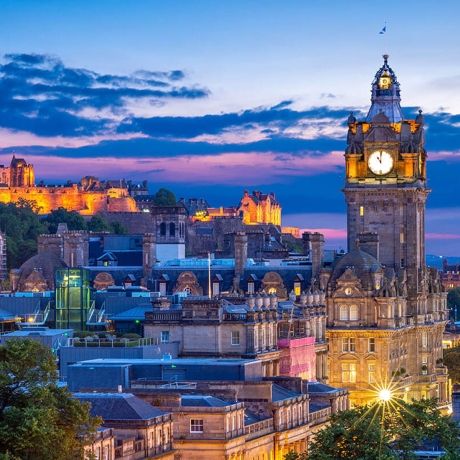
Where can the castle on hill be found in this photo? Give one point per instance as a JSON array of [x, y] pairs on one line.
[[90, 196]]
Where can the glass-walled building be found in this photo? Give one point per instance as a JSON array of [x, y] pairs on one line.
[[72, 298]]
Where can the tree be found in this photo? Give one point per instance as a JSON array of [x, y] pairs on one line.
[[99, 224], [164, 197], [384, 431], [73, 220], [22, 226], [38, 419], [452, 362]]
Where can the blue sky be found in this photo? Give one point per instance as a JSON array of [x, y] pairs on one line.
[[210, 98]]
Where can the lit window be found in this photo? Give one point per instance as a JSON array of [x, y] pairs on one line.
[[164, 336], [297, 288], [343, 314], [235, 337], [371, 347], [349, 372], [196, 426], [354, 313], [371, 373], [361, 211], [424, 340], [250, 288], [348, 345]]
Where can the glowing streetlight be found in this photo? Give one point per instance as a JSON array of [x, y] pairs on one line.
[[385, 395]]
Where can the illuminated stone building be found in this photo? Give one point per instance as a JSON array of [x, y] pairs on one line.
[[254, 208], [386, 309], [88, 197], [260, 208]]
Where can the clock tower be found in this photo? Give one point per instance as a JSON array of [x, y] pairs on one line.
[[386, 186], [386, 311]]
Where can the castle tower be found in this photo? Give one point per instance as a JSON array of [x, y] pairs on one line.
[[170, 231], [386, 309]]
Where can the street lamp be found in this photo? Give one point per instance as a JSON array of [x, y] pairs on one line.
[[385, 395]]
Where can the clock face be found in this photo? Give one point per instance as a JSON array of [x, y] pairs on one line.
[[380, 162], [384, 82], [348, 291]]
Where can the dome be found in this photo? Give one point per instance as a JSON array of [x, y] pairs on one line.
[[363, 264], [45, 263], [385, 94]]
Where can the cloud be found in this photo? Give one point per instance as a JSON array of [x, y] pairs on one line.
[[41, 95]]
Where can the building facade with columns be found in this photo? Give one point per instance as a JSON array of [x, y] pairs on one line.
[[386, 308]]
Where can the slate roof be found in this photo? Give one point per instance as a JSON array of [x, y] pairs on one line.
[[317, 387], [317, 406], [133, 314], [203, 401], [280, 393], [119, 406]]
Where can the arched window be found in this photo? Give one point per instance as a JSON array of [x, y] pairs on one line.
[[343, 313], [162, 229], [354, 313], [172, 229]]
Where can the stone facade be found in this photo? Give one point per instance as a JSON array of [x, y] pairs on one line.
[[386, 309]]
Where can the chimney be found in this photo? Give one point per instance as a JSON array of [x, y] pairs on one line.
[[241, 253], [369, 242], [313, 246], [148, 255]]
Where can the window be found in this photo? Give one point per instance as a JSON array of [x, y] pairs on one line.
[[162, 288], [371, 372], [235, 337], [343, 314], [348, 345], [164, 336], [349, 372], [196, 426], [361, 211], [162, 229], [250, 288], [215, 288], [172, 229], [424, 340], [354, 313], [297, 288], [371, 345]]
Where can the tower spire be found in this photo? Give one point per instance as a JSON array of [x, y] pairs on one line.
[[385, 94]]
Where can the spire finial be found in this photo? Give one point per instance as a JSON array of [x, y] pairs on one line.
[[385, 59]]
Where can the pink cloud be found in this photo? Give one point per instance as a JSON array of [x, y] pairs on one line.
[[329, 233], [442, 236], [238, 168]]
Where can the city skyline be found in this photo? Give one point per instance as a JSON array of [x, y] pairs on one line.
[[238, 96]]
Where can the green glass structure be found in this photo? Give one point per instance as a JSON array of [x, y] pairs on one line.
[[72, 298]]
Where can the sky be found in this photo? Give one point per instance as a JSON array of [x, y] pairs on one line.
[[211, 98]]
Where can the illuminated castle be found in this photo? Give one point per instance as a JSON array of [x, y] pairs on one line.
[[90, 196]]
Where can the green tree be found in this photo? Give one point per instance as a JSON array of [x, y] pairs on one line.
[[164, 197], [22, 226], [452, 361], [73, 220], [384, 431], [38, 419], [98, 224]]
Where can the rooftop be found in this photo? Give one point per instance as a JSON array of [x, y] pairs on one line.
[[119, 406]]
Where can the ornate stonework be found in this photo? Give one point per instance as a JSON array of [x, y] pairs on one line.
[[187, 282]]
